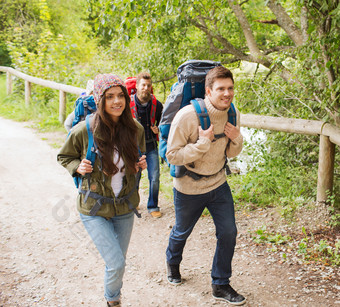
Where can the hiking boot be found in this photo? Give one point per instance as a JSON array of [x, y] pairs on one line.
[[156, 214], [227, 293], [115, 303], [174, 276]]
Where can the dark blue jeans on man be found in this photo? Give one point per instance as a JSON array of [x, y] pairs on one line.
[[152, 160], [188, 209]]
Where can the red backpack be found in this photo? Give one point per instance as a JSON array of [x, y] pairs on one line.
[[130, 84]]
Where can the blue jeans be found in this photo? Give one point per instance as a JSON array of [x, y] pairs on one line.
[[188, 209], [152, 159], [111, 238]]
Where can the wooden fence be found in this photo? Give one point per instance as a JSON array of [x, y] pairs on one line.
[[329, 134], [63, 89]]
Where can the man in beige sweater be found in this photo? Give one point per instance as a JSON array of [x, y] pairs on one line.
[[201, 153]]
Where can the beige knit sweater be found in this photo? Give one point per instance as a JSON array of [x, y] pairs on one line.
[[200, 155]]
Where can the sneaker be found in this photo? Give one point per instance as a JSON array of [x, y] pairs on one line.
[[227, 293], [156, 214], [174, 276]]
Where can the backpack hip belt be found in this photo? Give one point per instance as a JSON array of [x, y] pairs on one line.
[[91, 155], [113, 201], [181, 170]]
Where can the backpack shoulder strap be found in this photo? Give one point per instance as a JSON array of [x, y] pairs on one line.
[[133, 106], [232, 114], [91, 154], [203, 116], [201, 110], [153, 110]]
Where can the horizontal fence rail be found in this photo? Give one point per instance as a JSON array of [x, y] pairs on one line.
[[62, 88], [329, 134], [291, 125]]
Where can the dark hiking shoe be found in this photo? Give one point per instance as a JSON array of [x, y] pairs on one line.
[[227, 293], [174, 276], [115, 303]]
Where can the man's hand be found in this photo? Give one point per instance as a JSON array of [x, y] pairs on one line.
[[209, 133], [231, 131], [154, 129], [84, 167], [141, 163]]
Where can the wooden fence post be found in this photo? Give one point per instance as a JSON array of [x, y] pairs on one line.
[[62, 106], [326, 168], [9, 83], [27, 92]]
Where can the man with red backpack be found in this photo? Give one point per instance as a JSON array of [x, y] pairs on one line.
[[148, 110]]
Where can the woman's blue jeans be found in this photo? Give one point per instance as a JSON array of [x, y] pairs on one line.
[[152, 160], [188, 209], [111, 237]]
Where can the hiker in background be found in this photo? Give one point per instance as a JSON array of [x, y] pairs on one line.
[[69, 121], [148, 110], [197, 149], [109, 196]]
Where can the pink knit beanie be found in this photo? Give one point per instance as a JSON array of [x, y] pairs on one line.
[[103, 82]]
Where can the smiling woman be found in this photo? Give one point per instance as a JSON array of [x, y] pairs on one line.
[[109, 196], [115, 102]]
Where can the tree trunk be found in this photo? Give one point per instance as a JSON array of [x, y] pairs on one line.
[[242, 19], [286, 23]]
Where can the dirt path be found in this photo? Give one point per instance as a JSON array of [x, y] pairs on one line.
[[47, 259]]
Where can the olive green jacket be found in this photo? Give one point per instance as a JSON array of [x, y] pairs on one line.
[[70, 156]]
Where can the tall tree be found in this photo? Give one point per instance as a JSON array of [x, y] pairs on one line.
[[296, 40]]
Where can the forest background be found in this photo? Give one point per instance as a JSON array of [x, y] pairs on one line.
[[284, 54]]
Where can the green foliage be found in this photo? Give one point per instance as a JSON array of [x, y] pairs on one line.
[[42, 112], [5, 59], [2, 86], [72, 41], [334, 210], [43, 116], [263, 236], [319, 251], [174, 31], [272, 180], [166, 187], [20, 20], [49, 39], [294, 80], [298, 153], [322, 251]]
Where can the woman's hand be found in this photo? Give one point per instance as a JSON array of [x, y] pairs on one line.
[[141, 163], [84, 167]]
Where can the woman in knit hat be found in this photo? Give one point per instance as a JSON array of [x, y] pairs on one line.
[[108, 196]]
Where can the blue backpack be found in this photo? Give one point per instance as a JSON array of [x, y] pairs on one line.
[[84, 106], [190, 88]]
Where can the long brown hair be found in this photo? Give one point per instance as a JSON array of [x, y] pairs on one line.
[[121, 136]]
